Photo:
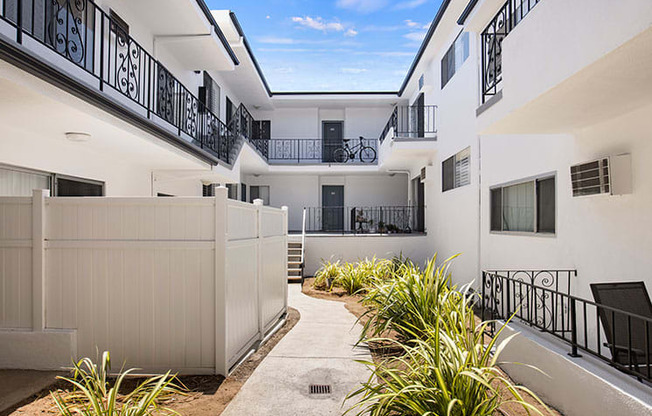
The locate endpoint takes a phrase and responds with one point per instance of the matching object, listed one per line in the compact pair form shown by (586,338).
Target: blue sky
(333,45)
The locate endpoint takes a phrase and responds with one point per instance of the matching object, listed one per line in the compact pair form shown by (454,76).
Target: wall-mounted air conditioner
(610,175)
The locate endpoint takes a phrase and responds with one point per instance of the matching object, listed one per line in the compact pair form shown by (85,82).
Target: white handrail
(303,238)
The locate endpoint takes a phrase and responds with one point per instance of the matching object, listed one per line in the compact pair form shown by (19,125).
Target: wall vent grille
(591,178)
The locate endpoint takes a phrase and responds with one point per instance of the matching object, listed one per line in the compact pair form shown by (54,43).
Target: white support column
(38,258)
(258,203)
(285,235)
(221,239)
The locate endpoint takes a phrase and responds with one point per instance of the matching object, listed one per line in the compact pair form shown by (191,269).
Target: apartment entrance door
(332,135)
(332,202)
(419,198)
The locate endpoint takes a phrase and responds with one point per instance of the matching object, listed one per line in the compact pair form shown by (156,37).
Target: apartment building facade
(519,138)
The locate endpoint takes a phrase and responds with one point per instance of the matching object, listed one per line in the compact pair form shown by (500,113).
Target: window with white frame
(528,206)
(456,170)
(259,192)
(454,57)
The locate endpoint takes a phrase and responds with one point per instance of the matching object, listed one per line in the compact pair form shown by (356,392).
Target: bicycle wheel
(340,155)
(367,155)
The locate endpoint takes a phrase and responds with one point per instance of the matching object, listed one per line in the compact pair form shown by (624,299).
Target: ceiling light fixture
(78,137)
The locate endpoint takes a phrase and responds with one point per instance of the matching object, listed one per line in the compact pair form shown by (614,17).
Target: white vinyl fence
(188,284)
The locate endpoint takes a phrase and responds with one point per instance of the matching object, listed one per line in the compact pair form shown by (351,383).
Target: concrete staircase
(295,266)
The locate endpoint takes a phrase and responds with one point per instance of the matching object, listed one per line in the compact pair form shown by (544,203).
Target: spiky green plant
(93,395)
(448,373)
(353,279)
(409,302)
(327,275)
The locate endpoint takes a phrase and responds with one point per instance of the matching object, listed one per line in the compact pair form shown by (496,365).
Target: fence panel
(16,262)
(188,284)
(134,276)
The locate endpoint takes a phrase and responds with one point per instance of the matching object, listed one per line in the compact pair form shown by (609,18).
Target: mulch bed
(207,396)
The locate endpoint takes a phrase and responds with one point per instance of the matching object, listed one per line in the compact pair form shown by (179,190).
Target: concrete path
(318,350)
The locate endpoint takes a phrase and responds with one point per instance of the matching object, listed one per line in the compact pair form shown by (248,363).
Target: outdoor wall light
(78,137)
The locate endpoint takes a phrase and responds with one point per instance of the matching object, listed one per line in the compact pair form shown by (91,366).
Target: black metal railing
(83,34)
(365,220)
(416,121)
(509,15)
(542,300)
(309,151)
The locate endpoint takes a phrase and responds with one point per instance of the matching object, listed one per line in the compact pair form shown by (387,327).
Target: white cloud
(318,23)
(353,70)
(362,6)
(416,25)
(276,41)
(415,36)
(410,4)
(268,17)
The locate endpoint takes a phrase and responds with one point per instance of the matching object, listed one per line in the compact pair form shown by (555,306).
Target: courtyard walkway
(318,350)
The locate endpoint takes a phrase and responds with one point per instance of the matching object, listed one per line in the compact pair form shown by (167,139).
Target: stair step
(294,273)
(296,251)
(294,258)
(294,245)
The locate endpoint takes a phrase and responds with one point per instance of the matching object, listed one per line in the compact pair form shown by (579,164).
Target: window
(259,192)
(208,190)
(454,57)
(243,192)
(262,129)
(232,190)
(67,186)
(524,207)
(209,95)
(21,182)
(119,22)
(229,111)
(456,170)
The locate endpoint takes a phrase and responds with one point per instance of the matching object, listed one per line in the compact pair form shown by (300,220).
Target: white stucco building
(520,138)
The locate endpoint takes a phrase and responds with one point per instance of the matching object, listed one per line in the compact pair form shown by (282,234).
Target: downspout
(479,268)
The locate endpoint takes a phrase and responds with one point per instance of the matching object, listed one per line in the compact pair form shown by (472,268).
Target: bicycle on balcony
(366,154)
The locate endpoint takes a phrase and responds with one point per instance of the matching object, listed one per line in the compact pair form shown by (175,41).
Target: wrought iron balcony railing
(492,38)
(416,121)
(542,300)
(317,151)
(365,220)
(82,33)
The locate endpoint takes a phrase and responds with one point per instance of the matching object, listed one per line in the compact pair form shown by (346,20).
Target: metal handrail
(365,219)
(302,150)
(303,240)
(415,121)
(82,33)
(549,307)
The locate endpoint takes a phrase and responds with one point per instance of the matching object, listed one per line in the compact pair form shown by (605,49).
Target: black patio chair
(626,334)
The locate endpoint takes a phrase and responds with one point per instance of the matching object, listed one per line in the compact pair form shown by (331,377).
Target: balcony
(492,38)
(411,122)
(80,42)
(317,151)
(365,220)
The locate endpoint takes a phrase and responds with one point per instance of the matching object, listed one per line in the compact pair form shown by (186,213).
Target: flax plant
(409,302)
(327,275)
(94,396)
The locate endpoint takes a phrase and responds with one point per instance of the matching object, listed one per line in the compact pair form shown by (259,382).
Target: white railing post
(38,258)
(258,203)
(221,318)
(285,239)
(303,242)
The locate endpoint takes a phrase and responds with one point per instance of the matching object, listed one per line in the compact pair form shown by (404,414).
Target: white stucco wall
(299,191)
(605,237)
(354,248)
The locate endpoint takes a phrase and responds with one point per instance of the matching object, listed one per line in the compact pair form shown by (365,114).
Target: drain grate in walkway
(320,389)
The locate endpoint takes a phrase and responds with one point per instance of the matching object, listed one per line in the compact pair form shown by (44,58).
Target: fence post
(221,312)
(258,203)
(38,258)
(573,312)
(284,208)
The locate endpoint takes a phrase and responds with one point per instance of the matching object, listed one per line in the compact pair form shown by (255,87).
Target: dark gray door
(332,202)
(421,109)
(418,216)
(332,135)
